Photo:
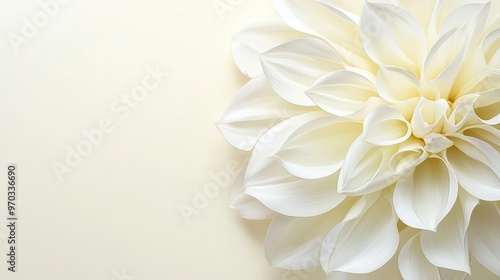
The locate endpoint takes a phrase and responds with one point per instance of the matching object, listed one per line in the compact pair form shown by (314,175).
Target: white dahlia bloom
(375,136)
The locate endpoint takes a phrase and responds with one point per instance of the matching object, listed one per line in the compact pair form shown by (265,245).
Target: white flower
(374,130)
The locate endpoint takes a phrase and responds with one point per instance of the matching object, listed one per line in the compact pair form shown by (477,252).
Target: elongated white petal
(344,93)
(400,87)
(485,133)
(490,49)
(342,34)
(448,246)
(390,268)
(295,243)
(462,114)
(293,67)
(247,206)
(413,264)
(292,196)
(258,38)
(385,126)
(318,148)
(366,169)
(461,28)
(468,204)
(471,15)
(363,244)
(423,198)
(421,10)
(442,74)
(484,236)
(384,33)
(254,109)
(487,107)
(477,165)
(271,141)
(348,10)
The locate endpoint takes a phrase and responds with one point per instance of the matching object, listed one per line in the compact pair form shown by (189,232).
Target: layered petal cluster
(374,131)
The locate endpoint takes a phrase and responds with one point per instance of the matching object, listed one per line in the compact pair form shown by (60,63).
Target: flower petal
(247,206)
(286,194)
(272,140)
(400,87)
(490,48)
(254,109)
(413,264)
(487,107)
(477,165)
(344,93)
(410,154)
(485,133)
(484,236)
(318,148)
(295,243)
(447,247)
(258,38)
(384,33)
(424,196)
(384,126)
(390,268)
(363,244)
(366,169)
(293,67)
(311,17)
(445,58)
(429,116)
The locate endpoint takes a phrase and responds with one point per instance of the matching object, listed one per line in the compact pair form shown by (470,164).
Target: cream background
(117,213)
(119,208)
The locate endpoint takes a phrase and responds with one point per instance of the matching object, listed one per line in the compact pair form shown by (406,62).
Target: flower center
(435,142)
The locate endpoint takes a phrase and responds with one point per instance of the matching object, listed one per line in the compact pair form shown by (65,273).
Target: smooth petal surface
(318,148)
(366,169)
(390,268)
(388,120)
(413,264)
(295,243)
(291,68)
(400,87)
(444,60)
(384,33)
(485,133)
(344,93)
(424,196)
(487,107)
(271,141)
(254,109)
(363,244)
(293,196)
(247,206)
(477,165)
(256,39)
(490,48)
(484,236)
(448,246)
(309,16)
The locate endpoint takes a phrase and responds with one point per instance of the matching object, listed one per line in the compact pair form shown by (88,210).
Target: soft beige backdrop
(64,69)
(110,208)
